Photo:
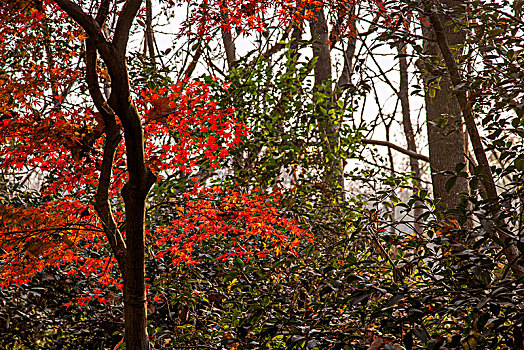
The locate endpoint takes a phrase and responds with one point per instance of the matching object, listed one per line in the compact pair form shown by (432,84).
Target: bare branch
(191,67)
(396,148)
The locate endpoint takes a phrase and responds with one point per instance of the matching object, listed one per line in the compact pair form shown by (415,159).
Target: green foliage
(33,316)
(289,120)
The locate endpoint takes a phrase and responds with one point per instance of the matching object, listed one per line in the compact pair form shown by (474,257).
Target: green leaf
(519,164)
(450,183)
(459,167)
(239,263)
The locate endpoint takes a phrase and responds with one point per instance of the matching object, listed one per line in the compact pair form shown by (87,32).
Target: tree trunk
(406,114)
(140,178)
(408,127)
(446,142)
(229,43)
(321,50)
(344,79)
(509,248)
(134,193)
(135,299)
(333,176)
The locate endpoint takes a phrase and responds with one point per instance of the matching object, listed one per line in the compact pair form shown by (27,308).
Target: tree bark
(113,138)
(509,248)
(196,56)
(229,44)
(140,178)
(464,104)
(406,113)
(446,143)
(349,52)
(333,176)
(321,49)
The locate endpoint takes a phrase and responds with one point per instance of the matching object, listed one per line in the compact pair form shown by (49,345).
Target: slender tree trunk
(321,50)
(344,79)
(446,140)
(229,46)
(349,55)
(349,52)
(296,35)
(406,114)
(391,210)
(408,127)
(140,178)
(196,56)
(323,77)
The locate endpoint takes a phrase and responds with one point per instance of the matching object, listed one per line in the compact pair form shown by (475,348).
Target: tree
(445,136)
(488,183)
(166,130)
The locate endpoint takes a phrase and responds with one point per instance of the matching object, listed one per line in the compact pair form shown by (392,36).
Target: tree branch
(296,34)
(396,148)
(279,45)
(191,67)
(123,25)
(103,12)
(102,205)
(88,23)
(113,138)
(149,40)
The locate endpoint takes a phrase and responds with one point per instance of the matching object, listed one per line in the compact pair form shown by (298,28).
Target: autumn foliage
(51,133)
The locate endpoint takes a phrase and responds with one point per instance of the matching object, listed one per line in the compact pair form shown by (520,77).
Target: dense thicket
(315,228)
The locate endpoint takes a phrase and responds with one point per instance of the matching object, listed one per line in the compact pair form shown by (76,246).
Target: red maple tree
(98,157)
